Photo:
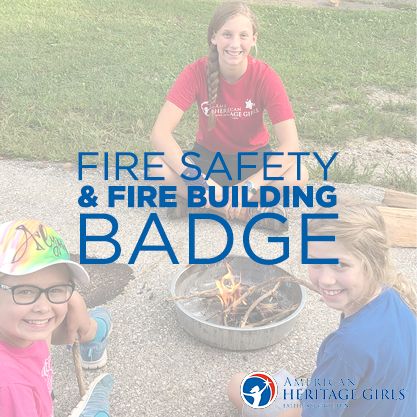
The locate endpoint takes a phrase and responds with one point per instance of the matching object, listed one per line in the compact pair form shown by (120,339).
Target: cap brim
(79,274)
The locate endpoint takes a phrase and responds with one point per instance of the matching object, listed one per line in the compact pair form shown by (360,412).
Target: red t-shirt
(239,107)
(25,381)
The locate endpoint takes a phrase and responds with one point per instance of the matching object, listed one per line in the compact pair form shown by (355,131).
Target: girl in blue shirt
(367,367)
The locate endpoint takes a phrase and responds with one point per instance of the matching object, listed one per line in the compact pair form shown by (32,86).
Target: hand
(218,191)
(76,325)
(239,212)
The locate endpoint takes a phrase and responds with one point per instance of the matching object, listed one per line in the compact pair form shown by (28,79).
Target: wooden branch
(82,387)
(213,292)
(274,317)
(256,302)
(302,282)
(276,282)
(240,299)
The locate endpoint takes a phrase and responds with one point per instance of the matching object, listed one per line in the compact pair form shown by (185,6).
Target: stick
(285,278)
(256,302)
(76,355)
(235,303)
(254,288)
(240,299)
(213,292)
(288,278)
(274,317)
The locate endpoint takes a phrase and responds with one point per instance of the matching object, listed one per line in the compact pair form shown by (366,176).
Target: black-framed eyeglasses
(29,294)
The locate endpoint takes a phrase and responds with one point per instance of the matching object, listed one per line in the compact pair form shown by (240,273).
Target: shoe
(271,224)
(178,212)
(182,209)
(95,402)
(94,354)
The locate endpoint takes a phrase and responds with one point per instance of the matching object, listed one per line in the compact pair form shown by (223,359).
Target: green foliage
(402,180)
(92,75)
(351,173)
(355,173)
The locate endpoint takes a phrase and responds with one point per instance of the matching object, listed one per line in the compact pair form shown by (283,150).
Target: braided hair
(221,15)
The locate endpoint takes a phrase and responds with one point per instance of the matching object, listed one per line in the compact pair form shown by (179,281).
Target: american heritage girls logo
(248,109)
(258,390)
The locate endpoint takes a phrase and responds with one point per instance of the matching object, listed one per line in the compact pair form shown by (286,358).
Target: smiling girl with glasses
(38,305)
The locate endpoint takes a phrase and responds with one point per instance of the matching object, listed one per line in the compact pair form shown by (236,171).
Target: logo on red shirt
(233,112)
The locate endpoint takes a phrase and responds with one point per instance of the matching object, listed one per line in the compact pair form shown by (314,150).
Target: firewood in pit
(241,305)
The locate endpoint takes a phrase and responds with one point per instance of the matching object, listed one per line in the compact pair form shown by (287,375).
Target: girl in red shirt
(231,89)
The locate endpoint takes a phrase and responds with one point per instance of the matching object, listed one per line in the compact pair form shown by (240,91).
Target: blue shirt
(367,368)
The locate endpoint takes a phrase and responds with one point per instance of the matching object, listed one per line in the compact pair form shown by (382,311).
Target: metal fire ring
(233,338)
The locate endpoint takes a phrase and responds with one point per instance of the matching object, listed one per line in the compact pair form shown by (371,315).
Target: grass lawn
(92,75)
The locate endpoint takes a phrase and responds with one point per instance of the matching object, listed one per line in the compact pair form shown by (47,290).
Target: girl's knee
(158,168)
(304,177)
(156,165)
(291,177)
(233,389)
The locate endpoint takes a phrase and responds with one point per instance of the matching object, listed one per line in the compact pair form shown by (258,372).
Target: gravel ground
(160,370)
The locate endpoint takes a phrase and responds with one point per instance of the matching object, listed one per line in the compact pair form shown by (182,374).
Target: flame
(229,288)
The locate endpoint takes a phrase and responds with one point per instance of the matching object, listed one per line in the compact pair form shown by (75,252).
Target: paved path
(160,370)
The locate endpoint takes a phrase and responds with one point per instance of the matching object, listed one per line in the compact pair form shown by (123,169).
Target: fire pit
(237,304)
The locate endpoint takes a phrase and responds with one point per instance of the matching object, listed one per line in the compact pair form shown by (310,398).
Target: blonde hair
(361,229)
(221,15)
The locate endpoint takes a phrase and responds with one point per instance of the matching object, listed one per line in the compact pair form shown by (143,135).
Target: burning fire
(229,288)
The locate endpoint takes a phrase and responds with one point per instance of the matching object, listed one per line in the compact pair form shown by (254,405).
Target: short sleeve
(329,391)
(17,400)
(276,100)
(183,91)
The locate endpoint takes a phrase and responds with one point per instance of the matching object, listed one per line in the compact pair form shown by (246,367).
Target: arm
(286,133)
(183,93)
(162,135)
(163,140)
(77,323)
(280,113)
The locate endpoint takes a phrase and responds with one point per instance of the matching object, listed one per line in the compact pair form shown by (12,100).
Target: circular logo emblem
(258,390)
